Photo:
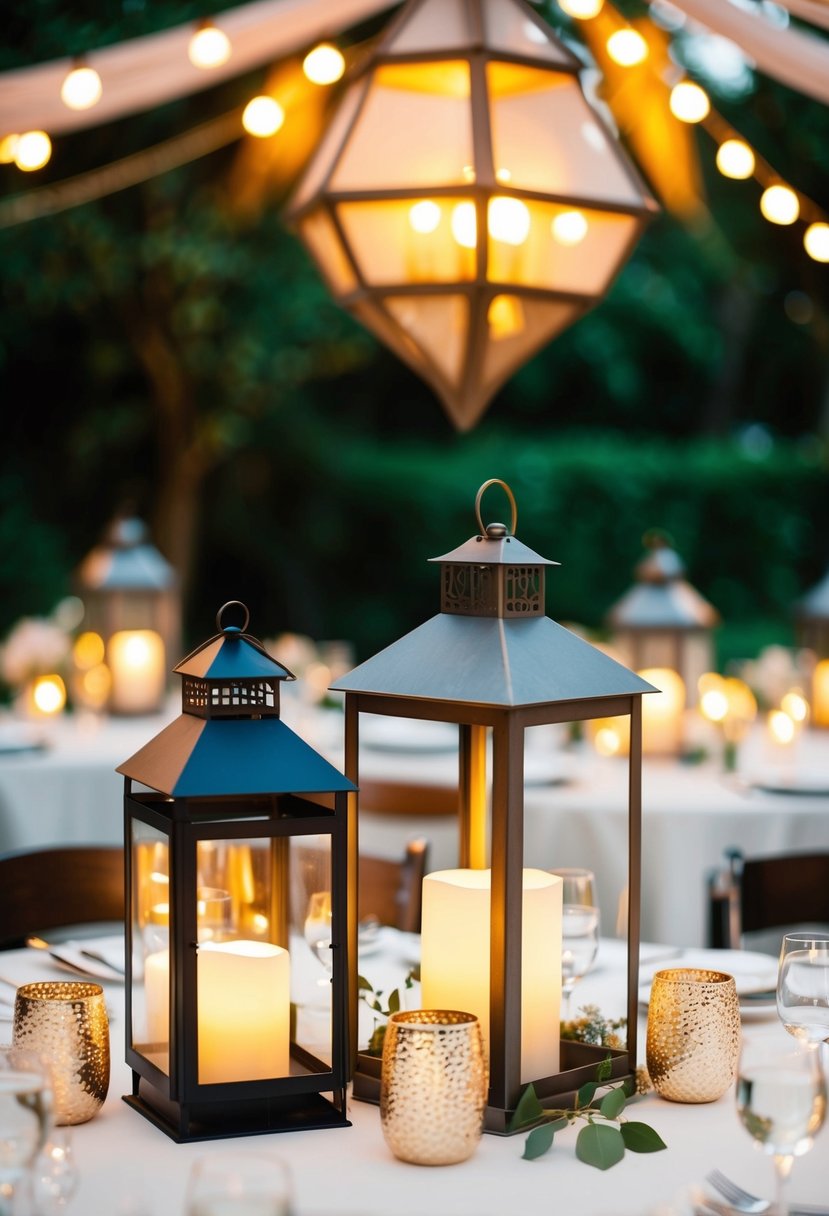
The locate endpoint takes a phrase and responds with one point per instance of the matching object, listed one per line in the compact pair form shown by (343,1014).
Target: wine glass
(781,1101)
(54,1176)
(318,928)
(579,929)
(25,1117)
(803,986)
(244,1184)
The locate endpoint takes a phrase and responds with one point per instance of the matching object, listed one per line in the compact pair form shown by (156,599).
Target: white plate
(408,735)
(752,971)
(70,955)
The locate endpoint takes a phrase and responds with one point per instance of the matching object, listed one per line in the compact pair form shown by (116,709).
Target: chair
(753,895)
(392,890)
(44,889)
(407,797)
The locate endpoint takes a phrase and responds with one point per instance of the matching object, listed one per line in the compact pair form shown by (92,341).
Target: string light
(325,64)
(689,102)
(209,47)
(735,159)
(7,146)
(263,116)
(81,88)
(32,150)
(627,47)
(816,241)
(582,10)
(779,204)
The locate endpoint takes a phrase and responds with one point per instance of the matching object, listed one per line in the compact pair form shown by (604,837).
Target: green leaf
(587,1093)
(613,1104)
(600,1145)
(529,1110)
(363,985)
(394,1001)
(539,1141)
(605,1069)
(640,1138)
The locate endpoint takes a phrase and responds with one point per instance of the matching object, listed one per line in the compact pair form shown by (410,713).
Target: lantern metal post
(232,813)
(493,663)
(467,203)
(812,628)
(663,621)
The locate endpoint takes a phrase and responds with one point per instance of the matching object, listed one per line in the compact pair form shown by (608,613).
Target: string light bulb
(816,242)
(262,117)
(209,47)
(689,102)
(32,150)
(7,146)
(627,47)
(325,64)
(779,205)
(735,159)
(582,10)
(81,88)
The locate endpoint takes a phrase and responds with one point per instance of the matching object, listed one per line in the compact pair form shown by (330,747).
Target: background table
(575,806)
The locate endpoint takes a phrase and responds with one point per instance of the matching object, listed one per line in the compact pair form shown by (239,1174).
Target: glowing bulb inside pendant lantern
(508,220)
(465,225)
(424,216)
(569,228)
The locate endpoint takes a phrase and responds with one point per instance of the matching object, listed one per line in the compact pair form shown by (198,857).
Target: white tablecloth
(575,808)
(129,1168)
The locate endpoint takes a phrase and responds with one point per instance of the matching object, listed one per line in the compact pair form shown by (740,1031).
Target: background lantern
(493,661)
(664,622)
(234,1027)
(467,203)
(131,602)
(813,633)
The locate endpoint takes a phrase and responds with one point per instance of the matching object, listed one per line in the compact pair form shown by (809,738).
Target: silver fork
(744,1201)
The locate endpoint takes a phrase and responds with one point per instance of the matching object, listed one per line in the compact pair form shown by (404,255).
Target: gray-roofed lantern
(131,600)
(235,823)
(492,661)
(664,622)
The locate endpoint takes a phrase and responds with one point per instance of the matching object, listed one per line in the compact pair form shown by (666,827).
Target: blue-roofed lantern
(493,662)
(131,599)
(234,828)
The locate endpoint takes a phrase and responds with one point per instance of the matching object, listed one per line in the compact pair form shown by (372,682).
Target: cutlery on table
(37,943)
(743,1201)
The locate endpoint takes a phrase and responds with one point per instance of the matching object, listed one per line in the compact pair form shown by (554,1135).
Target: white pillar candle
(820,694)
(137,665)
(662,712)
(157,997)
(243,1011)
(455,957)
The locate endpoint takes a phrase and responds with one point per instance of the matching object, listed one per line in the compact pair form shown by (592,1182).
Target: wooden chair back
(754,894)
(393,890)
(43,889)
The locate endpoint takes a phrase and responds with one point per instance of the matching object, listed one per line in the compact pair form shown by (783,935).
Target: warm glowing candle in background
(796,706)
(820,693)
(781,728)
(243,1011)
(137,664)
(454,970)
(48,695)
(662,712)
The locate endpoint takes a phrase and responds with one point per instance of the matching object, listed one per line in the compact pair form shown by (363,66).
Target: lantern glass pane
(561,248)
(438,324)
(440,24)
(510,30)
(697,658)
(546,137)
(659,649)
(517,327)
(417,240)
(323,240)
(415,130)
(150,914)
(329,146)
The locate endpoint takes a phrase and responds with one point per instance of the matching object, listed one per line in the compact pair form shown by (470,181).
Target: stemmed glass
(25,1118)
(803,986)
(246,1184)
(579,929)
(54,1176)
(318,928)
(781,1101)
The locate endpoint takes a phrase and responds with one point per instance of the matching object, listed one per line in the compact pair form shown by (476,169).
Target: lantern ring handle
(233,604)
(496,481)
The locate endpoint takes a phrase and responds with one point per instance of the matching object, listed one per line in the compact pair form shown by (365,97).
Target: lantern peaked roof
(197,758)
(815,603)
(126,560)
(495,550)
(661,598)
(232,655)
(493,661)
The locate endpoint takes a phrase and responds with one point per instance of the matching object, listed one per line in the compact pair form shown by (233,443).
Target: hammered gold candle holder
(434,1086)
(66,1022)
(693,1038)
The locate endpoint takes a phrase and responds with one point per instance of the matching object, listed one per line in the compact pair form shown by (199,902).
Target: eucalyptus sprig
(602,1142)
(373,998)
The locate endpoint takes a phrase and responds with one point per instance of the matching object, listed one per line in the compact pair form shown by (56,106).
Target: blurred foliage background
(171,346)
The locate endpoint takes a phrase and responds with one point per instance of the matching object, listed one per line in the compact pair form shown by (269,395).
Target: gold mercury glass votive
(434,1086)
(66,1022)
(693,1040)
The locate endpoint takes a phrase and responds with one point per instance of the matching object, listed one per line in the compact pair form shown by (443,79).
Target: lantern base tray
(223,1120)
(579,1062)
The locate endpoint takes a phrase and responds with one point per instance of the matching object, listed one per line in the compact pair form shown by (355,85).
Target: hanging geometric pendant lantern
(467,203)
